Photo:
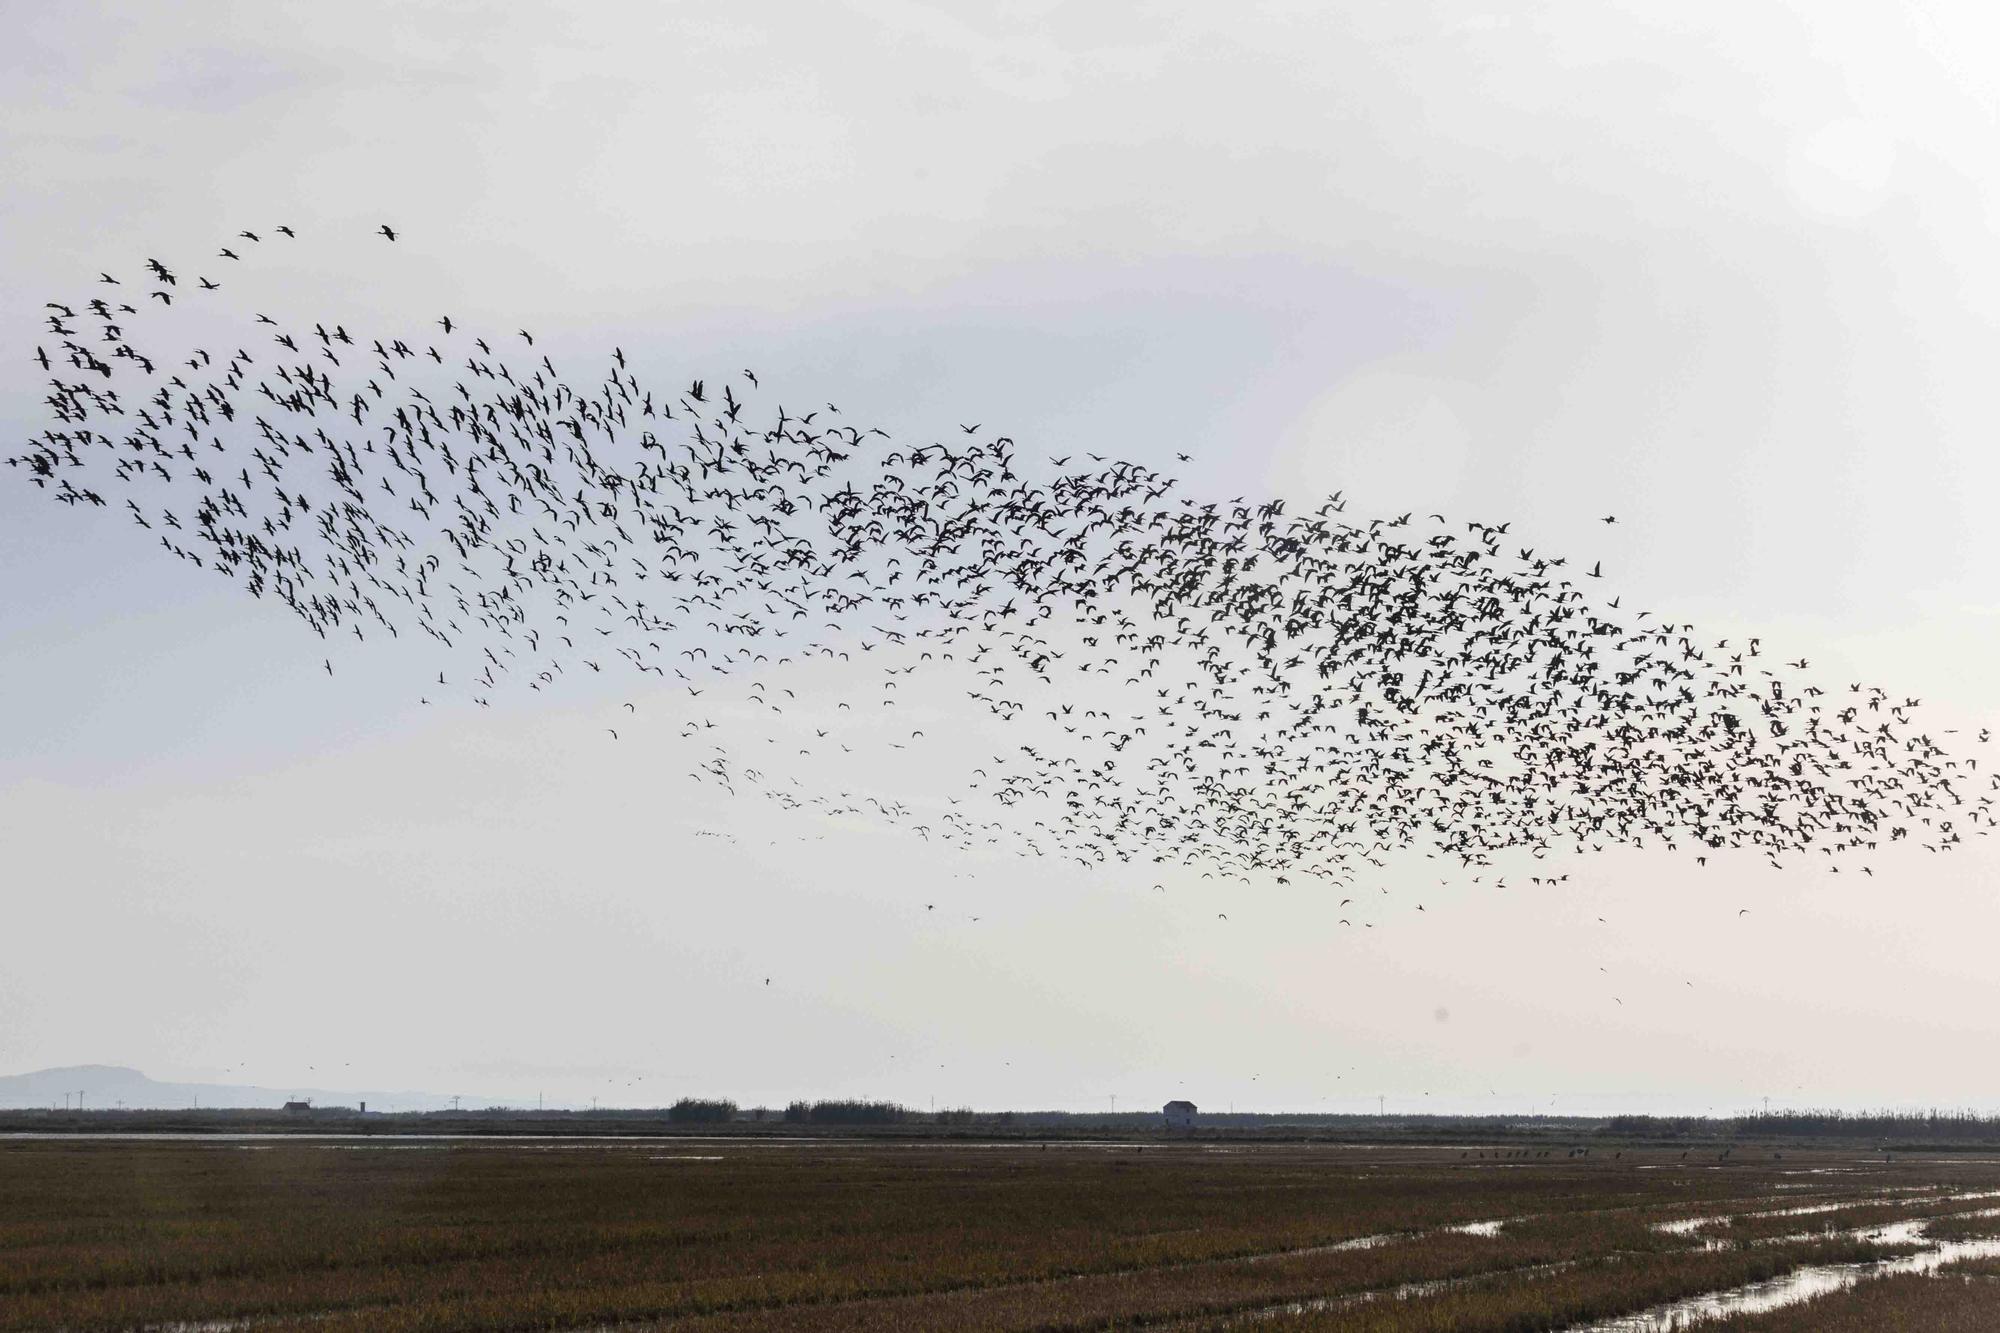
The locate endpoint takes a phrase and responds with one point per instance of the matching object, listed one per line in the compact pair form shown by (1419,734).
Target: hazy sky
(1726,271)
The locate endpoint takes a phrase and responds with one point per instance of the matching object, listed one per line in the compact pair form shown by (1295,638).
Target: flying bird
(1223,684)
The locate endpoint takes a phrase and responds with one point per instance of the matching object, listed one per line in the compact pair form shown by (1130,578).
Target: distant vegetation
(845,1113)
(1902,1126)
(1901,1129)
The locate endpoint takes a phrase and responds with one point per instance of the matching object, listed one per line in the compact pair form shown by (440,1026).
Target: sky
(1723,271)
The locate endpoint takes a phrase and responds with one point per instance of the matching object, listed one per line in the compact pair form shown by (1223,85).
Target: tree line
(1960,1126)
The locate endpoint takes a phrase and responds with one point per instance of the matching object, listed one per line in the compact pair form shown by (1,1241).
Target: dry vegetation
(1779,1223)
(761,1235)
(1981,1225)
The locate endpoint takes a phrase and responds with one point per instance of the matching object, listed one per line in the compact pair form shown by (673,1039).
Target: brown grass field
(763,1234)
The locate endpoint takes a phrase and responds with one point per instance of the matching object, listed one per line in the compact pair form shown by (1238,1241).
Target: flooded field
(214,1235)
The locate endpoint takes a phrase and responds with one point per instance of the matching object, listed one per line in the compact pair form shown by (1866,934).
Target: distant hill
(105,1087)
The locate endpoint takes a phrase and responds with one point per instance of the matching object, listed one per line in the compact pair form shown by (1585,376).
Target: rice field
(741,1234)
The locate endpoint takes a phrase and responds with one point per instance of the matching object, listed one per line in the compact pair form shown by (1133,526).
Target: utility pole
(1767,1104)
(1381,1105)
(1114,1103)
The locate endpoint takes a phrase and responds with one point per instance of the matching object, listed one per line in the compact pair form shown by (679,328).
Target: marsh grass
(1854,1218)
(1964,1227)
(839,1235)
(1597,1288)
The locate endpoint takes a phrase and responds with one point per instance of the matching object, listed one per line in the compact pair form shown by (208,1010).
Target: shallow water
(1489,1227)
(1800,1285)
(1408,1291)
(1687,1226)
(1805,1283)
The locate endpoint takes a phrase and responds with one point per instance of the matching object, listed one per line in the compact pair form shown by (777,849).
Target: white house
(1180,1115)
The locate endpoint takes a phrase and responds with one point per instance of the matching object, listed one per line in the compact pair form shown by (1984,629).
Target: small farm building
(1180,1115)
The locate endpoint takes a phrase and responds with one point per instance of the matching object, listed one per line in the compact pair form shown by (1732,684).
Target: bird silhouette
(1215,684)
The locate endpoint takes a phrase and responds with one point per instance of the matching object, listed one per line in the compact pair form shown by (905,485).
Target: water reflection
(1804,1284)
(1800,1285)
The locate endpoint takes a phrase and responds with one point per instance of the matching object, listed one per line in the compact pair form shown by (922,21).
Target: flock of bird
(1190,681)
